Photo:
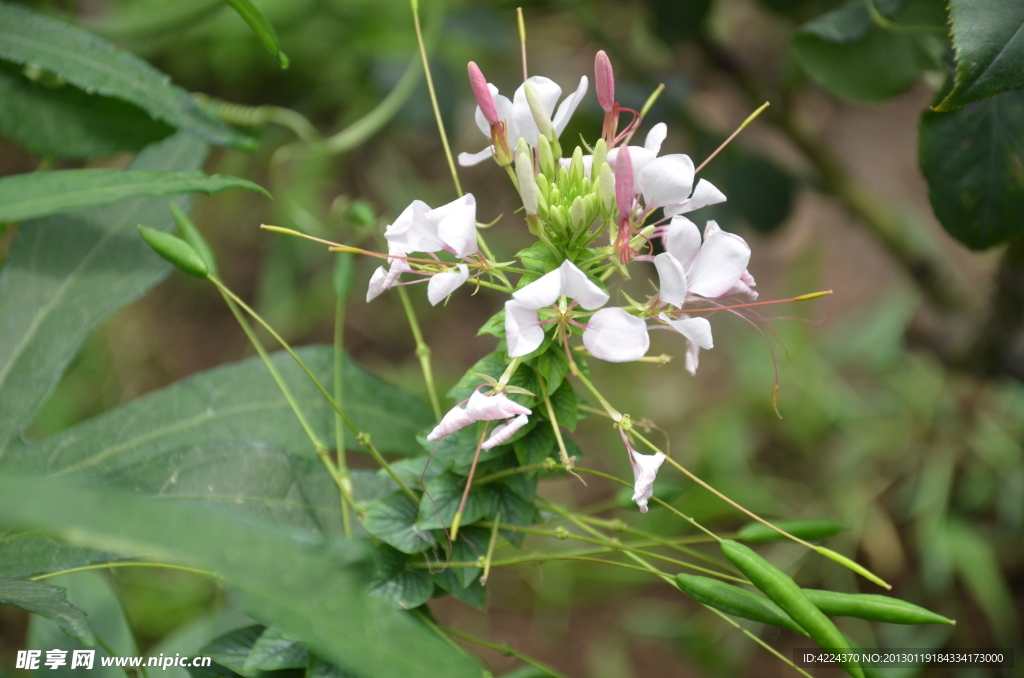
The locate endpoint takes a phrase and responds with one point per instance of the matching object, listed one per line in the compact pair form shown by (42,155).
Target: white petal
(497,406)
(398,264)
(523,331)
(456,225)
(697,330)
(542,292)
(443,284)
(682,239)
(655,137)
(503,432)
(376,284)
(455,419)
(413,231)
(672,279)
(576,285)
(522,116)
(705,194)
(711,228)
(568,107)
(614,335)
(721,261)
(692,357)
(504,108)
(742,289)
(638,155)
(645,470)
(666,180)
(470,159)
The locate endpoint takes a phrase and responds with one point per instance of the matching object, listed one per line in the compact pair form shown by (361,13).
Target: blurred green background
(924,464)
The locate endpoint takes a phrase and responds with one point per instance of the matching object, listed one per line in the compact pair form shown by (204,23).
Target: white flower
(711,270)
(645,470)
(615,336)
(443,284)
(698,335)
(518,118)
(482,408)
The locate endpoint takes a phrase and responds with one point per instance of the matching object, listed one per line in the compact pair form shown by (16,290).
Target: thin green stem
(549,466)
(119,563)
(732,622)
(422,351)
(506,649)
(442,633)
(563,454)
(339,425)
(619,526)
(490,549)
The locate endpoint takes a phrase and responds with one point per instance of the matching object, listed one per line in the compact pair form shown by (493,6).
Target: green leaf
(65,122)
(536,446)
(471,545)
(41,194)
(853,57)
(456,450)
(493,365)
(474,595)
(973,160)
(553,366)
(234,402)
(311,591)
(232,649)
(392,519)
(96,66)
(50,602)
(273,651)
(261,26)
(66,273)
(395,581)
(563,402)
(24,553)
(988,36)
(444,493)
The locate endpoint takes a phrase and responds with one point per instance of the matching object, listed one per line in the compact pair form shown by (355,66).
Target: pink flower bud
(482,93)
(604,80)
(624,191)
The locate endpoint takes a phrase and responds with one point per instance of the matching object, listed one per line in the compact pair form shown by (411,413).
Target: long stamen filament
(802,297)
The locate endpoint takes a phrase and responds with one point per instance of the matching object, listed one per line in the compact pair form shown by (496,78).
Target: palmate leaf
(988,36)
(313,592)
(65,122)
(97,66)
(66,273)
(50,602)
(41,194)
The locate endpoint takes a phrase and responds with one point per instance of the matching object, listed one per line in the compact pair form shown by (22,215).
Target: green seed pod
(191,235)
(546,157)
(853,565)
(785,593)
(175,250)
(735,601)
(600,155)
(576,167)
(812,529)
(344,271)
(873,608)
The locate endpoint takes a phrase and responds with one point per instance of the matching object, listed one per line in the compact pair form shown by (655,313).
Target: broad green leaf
(65,122)
(444,493)
(469,547)
(273,651)
(563,402)
(972,159)
(312,591)
(395,580)
(96,66)
(92,593)
(850,55)
(27,552)
(41,194)
(318,668)
(66,273)
(50,602)
(238,402)
(537,445)
(553,366)
(988,36)
(261,26)
(456,450)
(232,649)
(449,581)
(392,519)
(492,365)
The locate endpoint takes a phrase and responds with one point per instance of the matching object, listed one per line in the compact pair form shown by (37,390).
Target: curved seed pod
(811,529)
(873,608)
(735,601)
(785,593)
(178,252)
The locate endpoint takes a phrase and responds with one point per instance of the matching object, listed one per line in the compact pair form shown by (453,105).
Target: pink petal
(542,292)
(455,224)
(656,137)
(645,470)
(443,284)
(576,285)
(568,107)
(523,331)
(614,335)
(503,432)
(672,279)
(682,240)
(455,419)
(482,93)
(666,180)
(721,261)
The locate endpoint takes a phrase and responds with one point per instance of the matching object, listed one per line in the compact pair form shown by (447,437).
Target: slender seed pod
(853,565)
(873,608)
(735,601)
(811,529)
(176,251)
(191,235)
(785,593)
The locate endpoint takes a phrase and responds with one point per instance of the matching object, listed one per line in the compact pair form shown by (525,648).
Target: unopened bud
(546,157)
(599,158)
(556,214)
(176,251)
(527,181)
(624,183)
(604,81)
(544,185)
(482,94)
(606,187)
(576,166)
(555,196)
(577,213)
(541,116)
(191,235)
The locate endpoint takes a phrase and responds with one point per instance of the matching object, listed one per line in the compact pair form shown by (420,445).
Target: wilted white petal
(455,419)
(523,331)
(645,470)
(719,265)
(656,137)
(542,292)
(672,279)
(498,406)
(503,432)
(568,107)
(666,180)
(470,159)
(455,224)
(376,284)
(614,335)
(697,330)
(576,285)
(412,231)
(682,239)
(443,284)
(522,116)
(692,357)
(705,194)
